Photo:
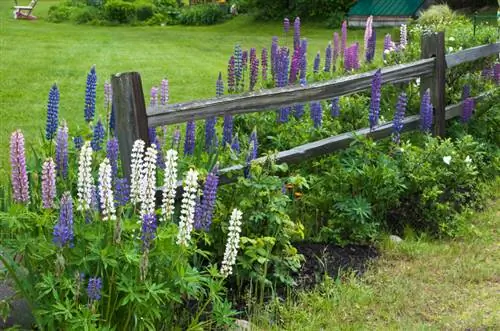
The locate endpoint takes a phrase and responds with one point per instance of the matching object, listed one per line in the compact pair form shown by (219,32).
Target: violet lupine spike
(343,42)
(465,92)
(335,107)
(152,134)
(231,75)
(426,112)
(94,289)
(78,142)
(19,176)
(399,116)
(112,155)
(244,59)
(347,60)
(253,55)
(298,110)
(48,183)
(148,231)
(197,212)
(254,73)
(98,136)
(317,60)
(496,73)
(176,139)
(375,99)
(296,33)
(164,92)
(372,43)
(336,47)
(189,142)
(52,112)
(219,86)
(316,114)
(210,133)
(355,56)
(274,57)
(108,95)
(153,101)
(368,31)
(62,151)
(295,67)
(235,146)
(264,64)
(303,59)
(286,25)
(283,81)
(90,95)
(467,109)
(328,58)
(238,65)
(227,131)
(63,230)
(207,204)
(112,120)
(122,192)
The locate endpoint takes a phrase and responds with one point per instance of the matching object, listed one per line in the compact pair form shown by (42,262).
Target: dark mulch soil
(321,259)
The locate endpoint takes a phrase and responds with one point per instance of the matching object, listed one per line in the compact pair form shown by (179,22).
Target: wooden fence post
(432,45)
(130,114)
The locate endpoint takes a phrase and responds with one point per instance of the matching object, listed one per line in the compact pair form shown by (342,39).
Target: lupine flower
(298,109)
(263,61)
(153,101)
(467,109)
(219,86)
(336,47)
(136,170)
(63,230)
(254,73)
(286,25)
(244,59)
(368,31)
(375,99)
(164,93)
(152,134)
(106,192)
(148,181)
(85,180)
(227,134)
(328,58)
(252,152)
(253,54)
(282,73)
(317,60)
(388,45)
(465,92)
(354,55)
(52,112)
(160,163)
(112,155)
(372,43)
(274,57)
(112,120)
(98,136)
(496,73)
(188,208)
(233,242)
(210,133)
(316,113)
(176,138)
(403,36)
(169,185)
(108,95)
(303,59)
(90,95)
(487,73)
(347,59)
(203,218)
(238,65)
(94,289)
(231,75)
(335,107)
(148,230)
(399,116)
(122,192)
(426,112)
(78,141)
(48,183)
(62,151)
(343,42)
(19,176)
(296,33)
(295,67)
(94,201)
(189,142)
(235,146)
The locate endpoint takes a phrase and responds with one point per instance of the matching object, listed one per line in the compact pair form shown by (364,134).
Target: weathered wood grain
(440,86)
(472,54)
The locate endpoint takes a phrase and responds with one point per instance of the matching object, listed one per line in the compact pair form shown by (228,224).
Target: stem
(128,319)
(109,293)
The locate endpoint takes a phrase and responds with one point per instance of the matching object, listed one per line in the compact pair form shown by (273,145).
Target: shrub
(437,15)
(305,9)
(85,14)
(144,11)
(201,15)
(119,11)
(59,14)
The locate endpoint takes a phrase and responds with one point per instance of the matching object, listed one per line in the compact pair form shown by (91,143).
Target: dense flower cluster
(233,243)
(108,95)
(235,145)
(63,230)
(467,109)
(112,155)
(153,100)
(317,60)
(335,107)
(98,136)
(78,142)
(164,92)
(188,208)
(48,183)
(106,192)
(189,142)
(136,170)
(90,95)
(176,139)
(169,185)
(328,58)
(62,151)
(336,46)
(204,214)
(94,289)
(264,64)
(122,192)
(254,72)
(52,112)
(343,42)
(85,180)
(148,230)
(403,36)
(231,75)
(399,117)
(351,60)
(274,56)
(148,181)
(375,99)
(238,66)
(368,31)
(316,113)
(426,112)
(372,43)
(286,25)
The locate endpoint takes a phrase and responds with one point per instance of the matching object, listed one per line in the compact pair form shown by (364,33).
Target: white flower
(403,36)
(417,81)
(188,207)
(451,39)
(447,159)
(106,192)
(85,180)
(450,49)
(233,243)
(169,185)
(387,51)
(468,160)
(148,181)
(136,171)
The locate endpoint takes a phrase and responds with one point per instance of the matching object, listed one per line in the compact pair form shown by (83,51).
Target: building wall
(378,21)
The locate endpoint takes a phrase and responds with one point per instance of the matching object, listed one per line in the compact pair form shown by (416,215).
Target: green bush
(305,9)
(85,15)
(144,11)
(119,11)
(59,14)
(437,15)
(201,15)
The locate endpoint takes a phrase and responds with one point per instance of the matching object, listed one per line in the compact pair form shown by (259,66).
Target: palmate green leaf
(63,309)
(46,286)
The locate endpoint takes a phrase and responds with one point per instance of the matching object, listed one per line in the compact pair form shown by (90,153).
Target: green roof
(386,7)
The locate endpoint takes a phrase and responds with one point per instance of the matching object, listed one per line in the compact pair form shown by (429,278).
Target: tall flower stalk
(336,47)
(62,151)
(370,50)
(233,243)
(203,218)
(148,181)
(112,155)
(19,175)
(189,142)
(231,75)
(316,63)
(274,57)
(335,107)
(254,72)
(316,114)
(403,36)
(188,208)
(85,181)
(164,92)
(328,58)
(52,112)
(467,109)
(399,117)
(106,197)
(137,164)
(63,230)
(48,183)
(90,95)
(98,136)
(343,42)
(108,96)
(296,33)
(264,64)
(169,185)
(375,99)
(368,31)
(426,112)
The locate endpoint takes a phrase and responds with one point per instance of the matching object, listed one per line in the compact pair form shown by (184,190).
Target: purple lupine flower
(368,31)
(164,93)
(399,116)
(151,134)
(286,25)
(263,61)
(370,50)
(496,73)
(317,60)
(207,205)
(62,151)
(108,95)
(355,57)
(94,289)
(52,112)
(112,155)
(238,65)
(160,162)
(219,86)
(343,41)
(197,213)
(375,99)
(19,177)
(176,139)
(231,75)
(153,101)
(298,109)
(48,183)
(336,47)
(227,131)
(148,230)
(274,57)
(63,230)
(90,95)
(253,55)
(122,192)
(328,58)
(283,62)
(467,109)
(296,33)
(78,142)
(388,45)
(316,113)
(98,136)
(347,59)
(210,133)
(487,73)
(244,59)
(295,67)
(465,92)
(235,146)
(112,119)
(335,107)
(189,142)
(303,59)
(426,112)
(254,73)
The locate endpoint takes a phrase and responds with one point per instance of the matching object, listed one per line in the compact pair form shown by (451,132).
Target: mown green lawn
(35,54)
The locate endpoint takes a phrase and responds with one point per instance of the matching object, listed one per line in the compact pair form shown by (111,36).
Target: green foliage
(437,16)
(119,11)
(334,10)
(206,14)
(58,14)
(87,14)
(144,11)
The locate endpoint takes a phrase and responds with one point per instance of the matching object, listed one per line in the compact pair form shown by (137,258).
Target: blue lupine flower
(316,113)
(112,155)
(375,99)
(63,230)
(62,151)
(303,59)
(235,146)
(399,117)
(328,58)
(189,142)
(78,141)
(282,75)
(98,136)
(238,65)
(274,58)
(426,112)
(176,139)
(210,133)
(219,86)
(122,192)
(467,109)
(152,134)
(112,120)
(370,51)
(148,230)
(317,60)
(227,132)
(207,205)
(90,95)
(296,33)
(335,107)
(52,112)
(465,92)
(160,162)
(94,289)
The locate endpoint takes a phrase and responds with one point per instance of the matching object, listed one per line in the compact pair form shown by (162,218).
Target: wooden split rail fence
(133,119)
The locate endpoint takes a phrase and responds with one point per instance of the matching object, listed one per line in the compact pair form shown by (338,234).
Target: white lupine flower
(468,160)
(403,36)
(148,179)
(233,243)
(106,192)
(136,171)
(170,184)
(85,180)
(187,208)
(447,159)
